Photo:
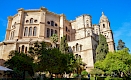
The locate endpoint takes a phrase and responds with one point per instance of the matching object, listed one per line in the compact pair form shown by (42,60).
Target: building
(38,25)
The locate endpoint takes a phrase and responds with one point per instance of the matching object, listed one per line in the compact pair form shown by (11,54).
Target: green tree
(54,39)
(21,63)
(96,71)
(63,45)
(118,62)
(35,52)
(102,48)
(121,45)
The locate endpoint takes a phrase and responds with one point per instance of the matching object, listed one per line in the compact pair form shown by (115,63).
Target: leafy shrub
(84,73)
(75,75)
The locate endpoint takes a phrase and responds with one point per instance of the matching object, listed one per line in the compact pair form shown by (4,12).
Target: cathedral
(28,26)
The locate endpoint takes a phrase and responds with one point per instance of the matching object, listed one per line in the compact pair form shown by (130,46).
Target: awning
(5,69)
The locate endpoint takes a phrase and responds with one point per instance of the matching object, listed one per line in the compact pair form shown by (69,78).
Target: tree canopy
(121,45)
(118,62)
(54,39)
(63,45)
(20,62)
(102,48)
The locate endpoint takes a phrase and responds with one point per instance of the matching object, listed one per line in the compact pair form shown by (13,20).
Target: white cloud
(124,30)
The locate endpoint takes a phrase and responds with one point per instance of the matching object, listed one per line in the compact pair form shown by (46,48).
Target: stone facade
(38,25)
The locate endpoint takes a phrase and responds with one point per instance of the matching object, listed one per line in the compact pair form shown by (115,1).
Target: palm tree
(54,40)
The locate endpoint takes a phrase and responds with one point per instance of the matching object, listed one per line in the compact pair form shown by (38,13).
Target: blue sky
(117,11)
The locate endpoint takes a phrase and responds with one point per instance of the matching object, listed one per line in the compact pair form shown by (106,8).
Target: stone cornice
(31,24)
(10,17)
(48,12)
(21,9)
(32,10)
(83,15)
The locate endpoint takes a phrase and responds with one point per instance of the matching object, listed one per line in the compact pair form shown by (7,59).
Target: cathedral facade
(28,26)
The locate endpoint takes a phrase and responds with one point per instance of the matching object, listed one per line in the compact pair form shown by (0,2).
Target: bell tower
(105,30)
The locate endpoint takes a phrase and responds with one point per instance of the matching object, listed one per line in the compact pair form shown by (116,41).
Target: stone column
(19,24)
(62,20)
(8,28)
(42,27)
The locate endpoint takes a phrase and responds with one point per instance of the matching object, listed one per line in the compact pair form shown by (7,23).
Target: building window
(76,55)
(30,31)
(87,25)
(19,50)
(31,20)
(80,47)
(22,50)
(51,32)
(52,23)
(48,22)
(25,49)
(26,31)
(79,56)
(55,24)
(48,32)
(68,38)
(55,31)
(35,21)
(74,48)
(103,25)
(27,21)
(77,47)
(12,35)
(88,34)
(14,24)
(66,29)
(34,31)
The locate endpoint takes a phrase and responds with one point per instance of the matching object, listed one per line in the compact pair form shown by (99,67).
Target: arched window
(103,25)
(68,38)
(31,20)
(26,31)
(12,35)
(22,50)
(55,24)
(48,32)
(15,24)
(87,25)
(55,31)
(74,48)
(66,29)
(35,21)
(88,34)
(34,31)
(25,49)
(52,23)
(51,32)
(80,47)
(48,22)
(76,55)
(30,31)
(19,50)
(77,47)
(27,21)
(79,56)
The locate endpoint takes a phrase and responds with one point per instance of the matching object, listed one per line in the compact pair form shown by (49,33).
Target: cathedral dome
(103,18)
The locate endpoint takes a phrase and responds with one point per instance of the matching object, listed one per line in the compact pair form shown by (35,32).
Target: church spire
(102,13)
